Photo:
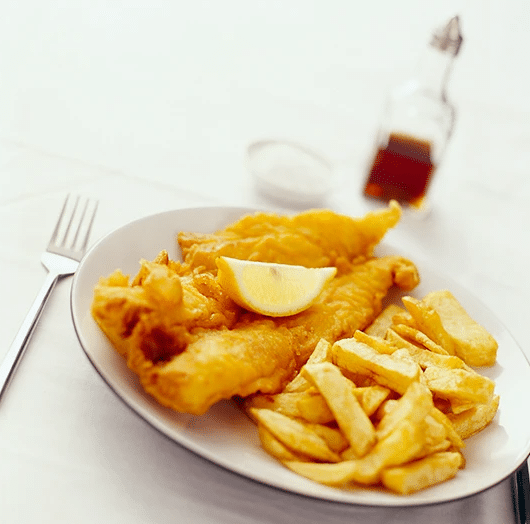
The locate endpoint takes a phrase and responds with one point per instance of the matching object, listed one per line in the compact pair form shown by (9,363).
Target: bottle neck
(434,71)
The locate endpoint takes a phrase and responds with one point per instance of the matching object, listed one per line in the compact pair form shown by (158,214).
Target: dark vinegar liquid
(401,171)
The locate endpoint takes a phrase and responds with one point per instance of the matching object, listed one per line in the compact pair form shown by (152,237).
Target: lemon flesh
(275,290)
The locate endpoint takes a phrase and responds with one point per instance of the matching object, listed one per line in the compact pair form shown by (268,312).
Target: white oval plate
(227,437)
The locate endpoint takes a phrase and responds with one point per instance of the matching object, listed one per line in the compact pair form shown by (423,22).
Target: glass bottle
(416,126)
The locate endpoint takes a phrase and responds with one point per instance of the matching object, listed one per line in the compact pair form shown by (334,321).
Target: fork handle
(18,346)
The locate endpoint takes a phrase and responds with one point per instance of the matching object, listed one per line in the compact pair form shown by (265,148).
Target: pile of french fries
(389,407)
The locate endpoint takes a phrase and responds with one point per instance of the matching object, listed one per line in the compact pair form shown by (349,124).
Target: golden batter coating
(192,346)
(315,238)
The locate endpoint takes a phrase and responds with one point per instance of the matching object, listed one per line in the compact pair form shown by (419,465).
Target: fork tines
(74,224)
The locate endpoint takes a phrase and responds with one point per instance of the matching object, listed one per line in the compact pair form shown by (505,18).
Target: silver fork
(62,256)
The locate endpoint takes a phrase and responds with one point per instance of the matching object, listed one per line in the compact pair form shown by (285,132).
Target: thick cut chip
(274,447)
(428,321)
(383,321)
(460,406)
(285,403)
(435,447)
(399,447)
(396,340)
(422,473)
(416,444)
(384,409)
(295,435)
(404,354)
(475,419)
(436,438)
(387,371)
(362,471)
(314,408)
(371,397)
(452,434)
(404,318)
(404,443)
(374,341)
(334,438)
(413,406)
(473,343)
(321,353)
(459,385)
(337,390)
(425,357)
(418,337)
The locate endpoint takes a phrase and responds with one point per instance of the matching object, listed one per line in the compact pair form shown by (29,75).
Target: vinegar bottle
(416,126)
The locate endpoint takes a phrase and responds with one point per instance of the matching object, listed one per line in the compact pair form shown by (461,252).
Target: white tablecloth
(150,106)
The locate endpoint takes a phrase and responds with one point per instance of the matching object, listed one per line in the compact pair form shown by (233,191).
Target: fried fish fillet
(192,346)
(315,238)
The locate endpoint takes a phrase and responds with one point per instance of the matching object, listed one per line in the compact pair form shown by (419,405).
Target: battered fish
(315,238)
(160,311)
(191,346)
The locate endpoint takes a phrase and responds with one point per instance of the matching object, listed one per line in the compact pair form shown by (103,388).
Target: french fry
(362,471)
(295,435)
(386,407)
(391,405)
(418,337)
(333,438)
(383,321)
(470,422)
(395,339)
(435,447)
(435,437)
(275,448)
(405,318)
(404,443)
(321,353)
(428,321)
(349,454)
(285,403)
(375,342)
(422,473)
(405,355)
(359,379)
(337,390)
(400,446)
(460,406)
(453,436)
(413,406)
(459,385)
(425,357)
(313,408)
(384,369)
(336,441)
(371,397)
(472,342)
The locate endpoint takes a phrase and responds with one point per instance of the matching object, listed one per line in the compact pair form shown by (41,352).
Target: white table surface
(149,106)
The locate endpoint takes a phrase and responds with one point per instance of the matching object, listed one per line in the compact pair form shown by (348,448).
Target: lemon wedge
(275,290)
